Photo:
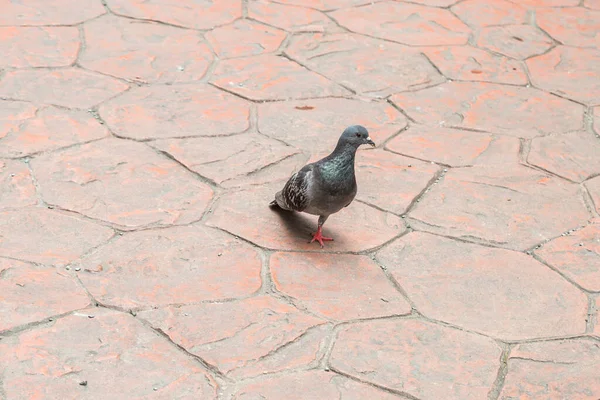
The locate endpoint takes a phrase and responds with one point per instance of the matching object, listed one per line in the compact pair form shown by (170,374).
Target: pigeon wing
(294,195)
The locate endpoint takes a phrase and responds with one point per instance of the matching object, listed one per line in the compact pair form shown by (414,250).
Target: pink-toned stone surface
(16,185)
(24,47)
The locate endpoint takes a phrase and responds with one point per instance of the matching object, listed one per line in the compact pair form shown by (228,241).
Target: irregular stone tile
(160,112)
(275,172)
(121,182)
(169,266)
(572,155)
(369,66)
(435,3)
(46,236)
(594,4)
(566,369)
(403,179)
(111,352)
(270,77)
(577,256)
(314,281)
(288,18)
(593,186)
(244,38)
(311,385)
(144,51)
(316,125)
(596,120)
(73,88)
(485,106)
(325,5)
(16,185)
(574,26)
(235,336)
(516,41)
(247,214)
(568,72)
(425,360)
(481,288)
(550,3)
(29,47)
(410,24)
(472,64)
(26,129)
(480,13)
(596,308)
(515,207)
(32,293)
(42,12)
(187,13)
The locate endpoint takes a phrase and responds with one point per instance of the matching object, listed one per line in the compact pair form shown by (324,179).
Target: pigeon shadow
(296,224)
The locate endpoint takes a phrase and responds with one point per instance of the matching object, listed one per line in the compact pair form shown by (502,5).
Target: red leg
(320,238)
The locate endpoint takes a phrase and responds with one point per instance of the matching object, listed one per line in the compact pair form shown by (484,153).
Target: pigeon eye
(357,134)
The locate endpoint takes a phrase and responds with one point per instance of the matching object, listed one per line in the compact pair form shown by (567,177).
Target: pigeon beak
(369,141)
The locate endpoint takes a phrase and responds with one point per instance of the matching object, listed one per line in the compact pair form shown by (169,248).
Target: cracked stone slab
(42,12)
(468,63)
(313,281)
(244,38)
(48,292)
(271,77)
(111,352)
(573,155)
(485,106)
(593,186)
(242,338)
(481,288)
(71,88)
(514,207)
(171,266)
(326,5)
(573,26)
(516,41)
(368,66)
(593,4)
(30,47)
(161,112)
(481,13)
(419,358)
(16,185)
(406,23)
(121,182)
(27,129)
(143,51)
(565,369)
(596,309)
(46,236)
(223,159)
(569,72)
(290,18)
(596,120)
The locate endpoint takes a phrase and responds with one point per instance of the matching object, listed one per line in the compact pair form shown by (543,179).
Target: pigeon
(325,187)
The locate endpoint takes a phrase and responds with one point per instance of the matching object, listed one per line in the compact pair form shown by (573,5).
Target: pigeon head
(356,135)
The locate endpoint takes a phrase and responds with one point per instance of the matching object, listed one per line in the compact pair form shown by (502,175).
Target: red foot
(320,238)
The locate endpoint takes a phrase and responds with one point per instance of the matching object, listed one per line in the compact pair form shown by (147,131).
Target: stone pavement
(141,141)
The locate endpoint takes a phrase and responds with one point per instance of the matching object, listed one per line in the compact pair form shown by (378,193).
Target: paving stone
(244,38)
(311,385)
(187,13)
(410,24)
(435,3)
(111,353)
(246,213)
(516,41)
(26,129)
(236,336)
(566,369)
(47,236)
(468,147)
(270,77)
(16,185)
(514,207)
(596,120)
(72,88)
(551,3)
(485,106)
(575,26)
(593,186)
(160,112)
(287,17)
(42,12)
(573,155)
(29,47)
(171,266)
(325,5)
(32,293)
(468,63)
(480,13)
(121,182)
(368,66)
(596,308)
(593,4)
(316,125)
(481,288)
(144,51)
(568,72)
(225,158)
(403,179)
(419,358)
(313,281)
